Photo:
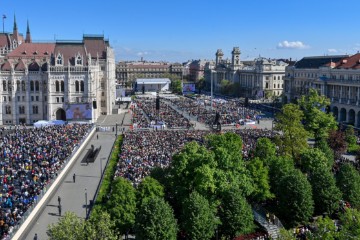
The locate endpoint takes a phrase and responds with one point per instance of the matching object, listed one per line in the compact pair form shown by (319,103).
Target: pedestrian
(35,237)
(74,177)
(97,136)
(59,200)
(59,208)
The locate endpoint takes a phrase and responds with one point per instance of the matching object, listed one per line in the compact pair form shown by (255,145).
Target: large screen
(188,88)
(79,111)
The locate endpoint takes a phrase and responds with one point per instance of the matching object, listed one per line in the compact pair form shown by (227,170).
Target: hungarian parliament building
(55,80)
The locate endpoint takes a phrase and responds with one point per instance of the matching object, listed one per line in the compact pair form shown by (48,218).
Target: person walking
(74,176)
(59,208)
(97,136)
(59,200)
(35,237)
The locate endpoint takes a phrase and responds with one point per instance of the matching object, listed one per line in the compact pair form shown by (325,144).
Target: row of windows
(60,86)
(35,109)
(275,77)
(278,85)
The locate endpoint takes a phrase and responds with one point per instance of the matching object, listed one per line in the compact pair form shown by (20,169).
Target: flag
(4,16)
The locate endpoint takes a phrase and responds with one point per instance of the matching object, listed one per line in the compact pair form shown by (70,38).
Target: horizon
(172,32)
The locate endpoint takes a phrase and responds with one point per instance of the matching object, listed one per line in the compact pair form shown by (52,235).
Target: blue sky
(173,30)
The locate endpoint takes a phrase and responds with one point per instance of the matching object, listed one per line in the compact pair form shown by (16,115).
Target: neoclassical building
(40,81)
(128,72)
(336,77)
(256,79)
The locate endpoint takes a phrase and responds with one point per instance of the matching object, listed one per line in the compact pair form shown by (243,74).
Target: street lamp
(116,129)
(86,204)
(101,171)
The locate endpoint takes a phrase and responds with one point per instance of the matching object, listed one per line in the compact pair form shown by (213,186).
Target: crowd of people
(145,114)
(29,159)
(142,151)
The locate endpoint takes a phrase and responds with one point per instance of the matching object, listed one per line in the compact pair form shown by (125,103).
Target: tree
(279,167)
(348,181)
(260,178)
(235,215)
(286,234)
(294,138)
(100,227)
(231,171)
(350,224)
(70,226)
(296,204)
(225,87)
(200,84)
(351,139)
(312,159)
(122,204)
(198,219)
(337,142)
(323,146)
(265,149)
(147,189)
(325,193)
(324,229)
(317,121)
(155,220)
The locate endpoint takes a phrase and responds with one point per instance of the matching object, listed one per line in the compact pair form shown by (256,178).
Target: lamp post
(101,171)
(116,129)
(86,204)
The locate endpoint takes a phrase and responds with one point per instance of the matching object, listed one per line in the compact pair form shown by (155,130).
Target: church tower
(15,31)
(235,60)
(28,35)
(219,55)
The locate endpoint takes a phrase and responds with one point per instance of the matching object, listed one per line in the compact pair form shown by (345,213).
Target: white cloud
(292,45)
(142,53)
(332,50)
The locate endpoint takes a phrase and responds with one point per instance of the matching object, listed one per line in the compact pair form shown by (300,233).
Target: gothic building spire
(15,25)
(28,35)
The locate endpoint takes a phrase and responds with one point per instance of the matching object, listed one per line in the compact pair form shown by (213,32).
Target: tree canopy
(348,181)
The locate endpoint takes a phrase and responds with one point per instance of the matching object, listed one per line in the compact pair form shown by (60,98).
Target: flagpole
(3,18)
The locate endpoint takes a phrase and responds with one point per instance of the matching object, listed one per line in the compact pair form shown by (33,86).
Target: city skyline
(177,32)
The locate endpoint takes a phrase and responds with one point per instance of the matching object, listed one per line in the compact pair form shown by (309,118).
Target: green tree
(231,171)
(198,219)
(326,194)
(348,181)
(122,204)
(312,159)
(176,86)
(70,226)
(351,139)
(235,215)
(286,234)
(350,224)
(296,204)
(279,167)
(323,146)
(260,178)
(265,149)
(325,229)
(294,139)
(149,188)
(225,86)
(317,121)
(155,221)
(100,227)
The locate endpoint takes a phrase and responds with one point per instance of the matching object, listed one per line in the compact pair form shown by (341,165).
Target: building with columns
(336,77)
(40,81)
(256,79)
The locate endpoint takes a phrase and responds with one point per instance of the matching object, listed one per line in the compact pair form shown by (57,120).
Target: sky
(177,31)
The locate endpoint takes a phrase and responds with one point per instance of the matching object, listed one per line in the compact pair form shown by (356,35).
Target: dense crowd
(145,114)
(29,159)
(142,151)
(231,112)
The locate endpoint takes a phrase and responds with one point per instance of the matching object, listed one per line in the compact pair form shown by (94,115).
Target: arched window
(23,87)
(32,86)
(274,77)
(37,86)
(8,109)
(278,85)
(9,86)
(62,86)
(57,86)
(82,86)
(78,60)
(274,85)
(17,85)
(21,109)
(59,60)
(278,77)
(4,86)
(77,86)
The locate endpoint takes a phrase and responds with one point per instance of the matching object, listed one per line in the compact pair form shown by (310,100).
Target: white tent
(41,123)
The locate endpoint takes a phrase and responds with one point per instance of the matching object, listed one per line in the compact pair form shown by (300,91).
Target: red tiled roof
(27,50)
(148,66)
(352,62)
(69,52)
(4,40)
(20,66)
(95,46)
(6,66)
